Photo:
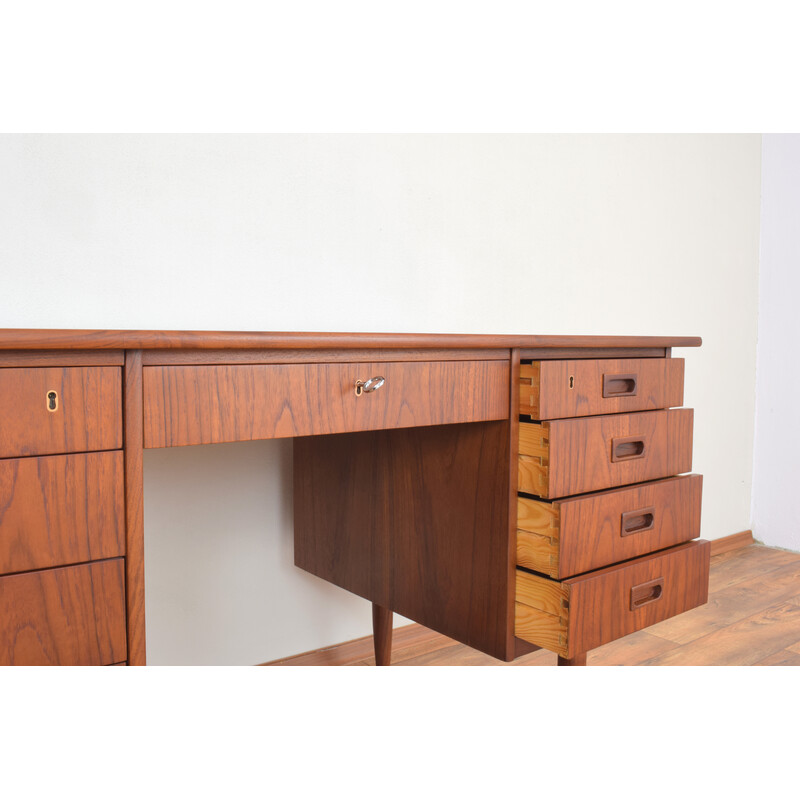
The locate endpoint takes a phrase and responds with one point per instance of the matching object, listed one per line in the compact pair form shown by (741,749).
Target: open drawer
(576,615)
(566,537)
(573,456)
(585,387)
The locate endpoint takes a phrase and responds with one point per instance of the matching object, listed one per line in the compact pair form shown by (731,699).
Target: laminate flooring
(752,617)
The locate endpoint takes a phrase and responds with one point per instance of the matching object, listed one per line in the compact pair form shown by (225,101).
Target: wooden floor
(752,617)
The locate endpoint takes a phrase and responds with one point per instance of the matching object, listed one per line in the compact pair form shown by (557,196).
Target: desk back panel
(415,520)
(187,405)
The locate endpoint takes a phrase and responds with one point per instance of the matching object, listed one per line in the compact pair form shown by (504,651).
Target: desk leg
(382,635)
(578,661)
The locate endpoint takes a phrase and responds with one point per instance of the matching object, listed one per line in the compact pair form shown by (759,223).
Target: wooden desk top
(65,339)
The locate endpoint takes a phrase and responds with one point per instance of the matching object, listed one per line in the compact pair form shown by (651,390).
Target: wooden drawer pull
(627,448)
(646,593)
(620,385)
(639,521)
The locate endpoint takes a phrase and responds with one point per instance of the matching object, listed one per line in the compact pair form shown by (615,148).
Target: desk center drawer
(186,405)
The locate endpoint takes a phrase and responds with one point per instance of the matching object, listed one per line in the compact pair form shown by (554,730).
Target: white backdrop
(434,233)
(776,513)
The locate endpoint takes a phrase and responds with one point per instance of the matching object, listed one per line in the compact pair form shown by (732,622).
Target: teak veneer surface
(573,456)
(578,534)
(58,510)
(415,520)
(186,405)
(71,615)
(134,508)
(574,616)
(49,339)
(88,415)
(569,388)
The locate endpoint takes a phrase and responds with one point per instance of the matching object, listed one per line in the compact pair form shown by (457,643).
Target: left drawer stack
(62,516)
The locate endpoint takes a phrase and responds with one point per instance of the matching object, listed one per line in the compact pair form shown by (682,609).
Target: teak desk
(511,492)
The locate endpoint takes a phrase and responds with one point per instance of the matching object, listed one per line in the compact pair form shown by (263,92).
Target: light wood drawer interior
(578,614)
(573,456)
(72,615)
(580,388)
(186,405)
(567,537)
(50,410)
(58,510)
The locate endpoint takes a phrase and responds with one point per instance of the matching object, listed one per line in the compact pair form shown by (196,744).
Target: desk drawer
(560,389)
(579,614)
(572,456)
(186,405)
(579,534)
(72,615)
(61,510)
(49,410)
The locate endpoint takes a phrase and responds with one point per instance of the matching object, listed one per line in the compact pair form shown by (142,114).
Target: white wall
(776,512)
(495,234)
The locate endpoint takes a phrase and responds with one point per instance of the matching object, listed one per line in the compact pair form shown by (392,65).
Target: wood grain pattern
(415,520)
(88,416)
(560,389)
(405,639)
(575,454)
(733,542)
(746,641)
(49,339)
(382,635)
(560,353)
(578,660)
(312,356)
(61,358)
(208,404)
(418,646)
(59,510)
(737,601)
(514,647)
(67,616)
(134,509)
(579,534)
(599,606)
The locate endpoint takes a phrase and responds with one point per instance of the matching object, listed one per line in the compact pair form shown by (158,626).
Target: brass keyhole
(52,400)
(571,381)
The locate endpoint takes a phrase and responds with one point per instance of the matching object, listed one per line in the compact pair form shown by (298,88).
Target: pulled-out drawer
(576,615)
(186,405)
(49,410)
(61,510)
(67,616)
(572,456)
(560,389)
(578,534)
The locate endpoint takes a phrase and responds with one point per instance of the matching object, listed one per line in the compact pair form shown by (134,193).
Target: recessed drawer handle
(370,385)
(628,448)
(620,385)
(646,593)
(639,521)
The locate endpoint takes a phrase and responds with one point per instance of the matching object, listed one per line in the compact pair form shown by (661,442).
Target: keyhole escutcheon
(52,400)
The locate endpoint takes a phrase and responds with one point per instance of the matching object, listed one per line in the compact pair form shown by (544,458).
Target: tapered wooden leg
(578,661)
(382,635)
